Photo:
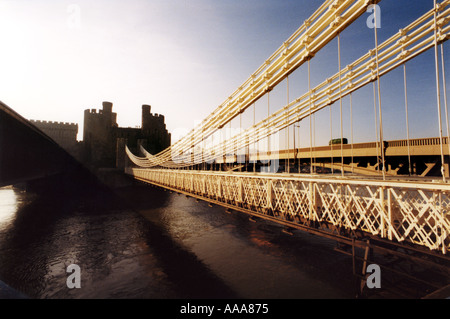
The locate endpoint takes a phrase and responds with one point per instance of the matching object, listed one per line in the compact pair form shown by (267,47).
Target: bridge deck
(397,209)
(26,153)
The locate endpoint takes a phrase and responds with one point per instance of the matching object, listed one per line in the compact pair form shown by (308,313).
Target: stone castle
(63,133)
(103,144)
(104,141)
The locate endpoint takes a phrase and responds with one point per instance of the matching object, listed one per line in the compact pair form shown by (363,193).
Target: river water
(144,242)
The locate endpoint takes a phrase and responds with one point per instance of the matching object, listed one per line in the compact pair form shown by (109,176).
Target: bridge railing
(398,211)
(418,142)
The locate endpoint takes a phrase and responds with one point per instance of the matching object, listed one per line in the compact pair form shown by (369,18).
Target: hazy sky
(183,57)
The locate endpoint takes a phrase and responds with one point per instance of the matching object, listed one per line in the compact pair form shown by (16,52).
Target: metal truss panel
(400,211)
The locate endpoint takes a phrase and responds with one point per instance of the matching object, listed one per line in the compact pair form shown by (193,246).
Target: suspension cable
(310,118)
(255,151)
(376,126)
(287,127)
(298,147)
(268,130)
(379,95)
(240,150)
(438,89)
(445,97)
(230,151)
(351,129)
(407,120)
(360,66)
(331,142)
(314,142)
(340,105)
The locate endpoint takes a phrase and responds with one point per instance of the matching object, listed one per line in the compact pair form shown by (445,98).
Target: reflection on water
(154,244)
(255,260)
(9,204)
(105,240)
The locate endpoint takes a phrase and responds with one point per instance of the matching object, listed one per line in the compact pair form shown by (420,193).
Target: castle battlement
(54,123)
(157,116)
(90,111)
(107,109)
(63,133)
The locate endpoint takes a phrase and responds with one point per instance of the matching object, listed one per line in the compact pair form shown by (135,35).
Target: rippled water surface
(151,243)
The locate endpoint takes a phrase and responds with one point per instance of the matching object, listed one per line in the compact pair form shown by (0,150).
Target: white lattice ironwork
(402,211)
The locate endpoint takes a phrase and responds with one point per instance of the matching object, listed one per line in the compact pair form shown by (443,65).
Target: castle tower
(98,139)
(146,109)
(104,141)
(107,107)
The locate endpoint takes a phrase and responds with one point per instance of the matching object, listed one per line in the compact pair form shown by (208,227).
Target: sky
(185,57)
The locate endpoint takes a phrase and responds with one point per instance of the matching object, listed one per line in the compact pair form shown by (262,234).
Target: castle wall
(104,141)
(99,145)
(63,133)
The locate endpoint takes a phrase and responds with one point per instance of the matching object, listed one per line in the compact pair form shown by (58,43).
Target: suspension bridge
(390,192)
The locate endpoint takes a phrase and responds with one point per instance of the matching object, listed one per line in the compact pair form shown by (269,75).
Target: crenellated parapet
(63,133)
(54,124)
(152,120)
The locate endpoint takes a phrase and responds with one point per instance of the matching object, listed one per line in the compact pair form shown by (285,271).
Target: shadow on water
(121,254)
(192,278)
(29,244)
(143,242)
(256,260)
